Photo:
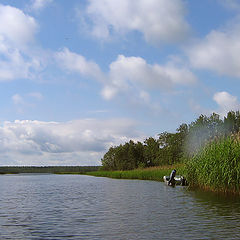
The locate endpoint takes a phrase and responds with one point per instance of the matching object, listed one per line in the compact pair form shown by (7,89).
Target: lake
(84,207)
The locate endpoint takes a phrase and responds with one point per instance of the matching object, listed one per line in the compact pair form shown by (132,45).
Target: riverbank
(153,173)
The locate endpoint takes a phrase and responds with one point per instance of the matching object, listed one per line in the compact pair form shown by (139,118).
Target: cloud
(36,139)
(14,64)
(24,102)
(226,102)
(17,99)
(17,31)
(145,96)
(77,63)
(135,73)
(36,95)
(128,75)
(231,4)
(15,26)
(218,51)
(37,5)
(158,20)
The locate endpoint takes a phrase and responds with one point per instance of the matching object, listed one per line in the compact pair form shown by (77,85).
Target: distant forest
(170,148)
(48,169)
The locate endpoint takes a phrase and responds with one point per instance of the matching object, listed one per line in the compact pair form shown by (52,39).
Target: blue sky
(77,77)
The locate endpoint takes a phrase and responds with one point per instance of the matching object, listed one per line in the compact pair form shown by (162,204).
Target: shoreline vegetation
(206,152)
(48,169)
(217,166)
(207,149)
(151,173)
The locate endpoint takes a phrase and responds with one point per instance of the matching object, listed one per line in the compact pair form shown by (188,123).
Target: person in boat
(171,178)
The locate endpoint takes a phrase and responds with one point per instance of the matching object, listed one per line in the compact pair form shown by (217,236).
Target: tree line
(170,148)
(47,169)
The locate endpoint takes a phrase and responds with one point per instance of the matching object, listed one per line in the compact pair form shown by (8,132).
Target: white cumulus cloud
(15,26)
(157,20)
(135,73)
(74,139)
(128,74)
(77,63)
(226,102)
(17,31)
(218,52)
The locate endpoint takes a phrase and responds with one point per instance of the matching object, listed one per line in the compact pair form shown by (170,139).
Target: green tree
(151,152)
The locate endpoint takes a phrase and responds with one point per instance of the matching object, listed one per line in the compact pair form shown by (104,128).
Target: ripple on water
(84,207)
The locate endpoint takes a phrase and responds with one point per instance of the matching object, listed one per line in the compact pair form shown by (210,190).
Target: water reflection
(218,214)
(227,207)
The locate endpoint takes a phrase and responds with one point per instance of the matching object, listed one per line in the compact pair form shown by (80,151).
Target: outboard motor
(184,181)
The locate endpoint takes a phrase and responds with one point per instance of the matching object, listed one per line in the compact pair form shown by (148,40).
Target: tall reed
(217,166)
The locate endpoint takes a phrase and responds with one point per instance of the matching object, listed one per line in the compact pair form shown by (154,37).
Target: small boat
(178,180)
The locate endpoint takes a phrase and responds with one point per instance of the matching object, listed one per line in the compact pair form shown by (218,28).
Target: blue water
(85,207)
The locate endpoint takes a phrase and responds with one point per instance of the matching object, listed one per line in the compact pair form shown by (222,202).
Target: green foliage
(124,157)
(232,122)
(205,129)
(153,173)
(217,166)
(167,149)
(191,141)
(171,146)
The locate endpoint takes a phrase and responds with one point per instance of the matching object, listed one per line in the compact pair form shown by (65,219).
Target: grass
(153,173)
(216,167)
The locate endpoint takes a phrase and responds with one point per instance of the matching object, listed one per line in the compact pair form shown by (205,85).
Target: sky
(77,77)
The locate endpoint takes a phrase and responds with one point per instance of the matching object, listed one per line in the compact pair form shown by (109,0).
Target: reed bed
(216,167)
(154,173)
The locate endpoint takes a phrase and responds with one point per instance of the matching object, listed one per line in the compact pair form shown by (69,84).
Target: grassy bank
(216,167)
(154,173)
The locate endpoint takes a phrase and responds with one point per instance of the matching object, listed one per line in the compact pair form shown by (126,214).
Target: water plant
(217,166)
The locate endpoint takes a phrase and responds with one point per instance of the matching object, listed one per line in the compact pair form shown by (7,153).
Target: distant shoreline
(47,169)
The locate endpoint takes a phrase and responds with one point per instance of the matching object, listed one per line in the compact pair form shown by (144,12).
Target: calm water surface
(84,207)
